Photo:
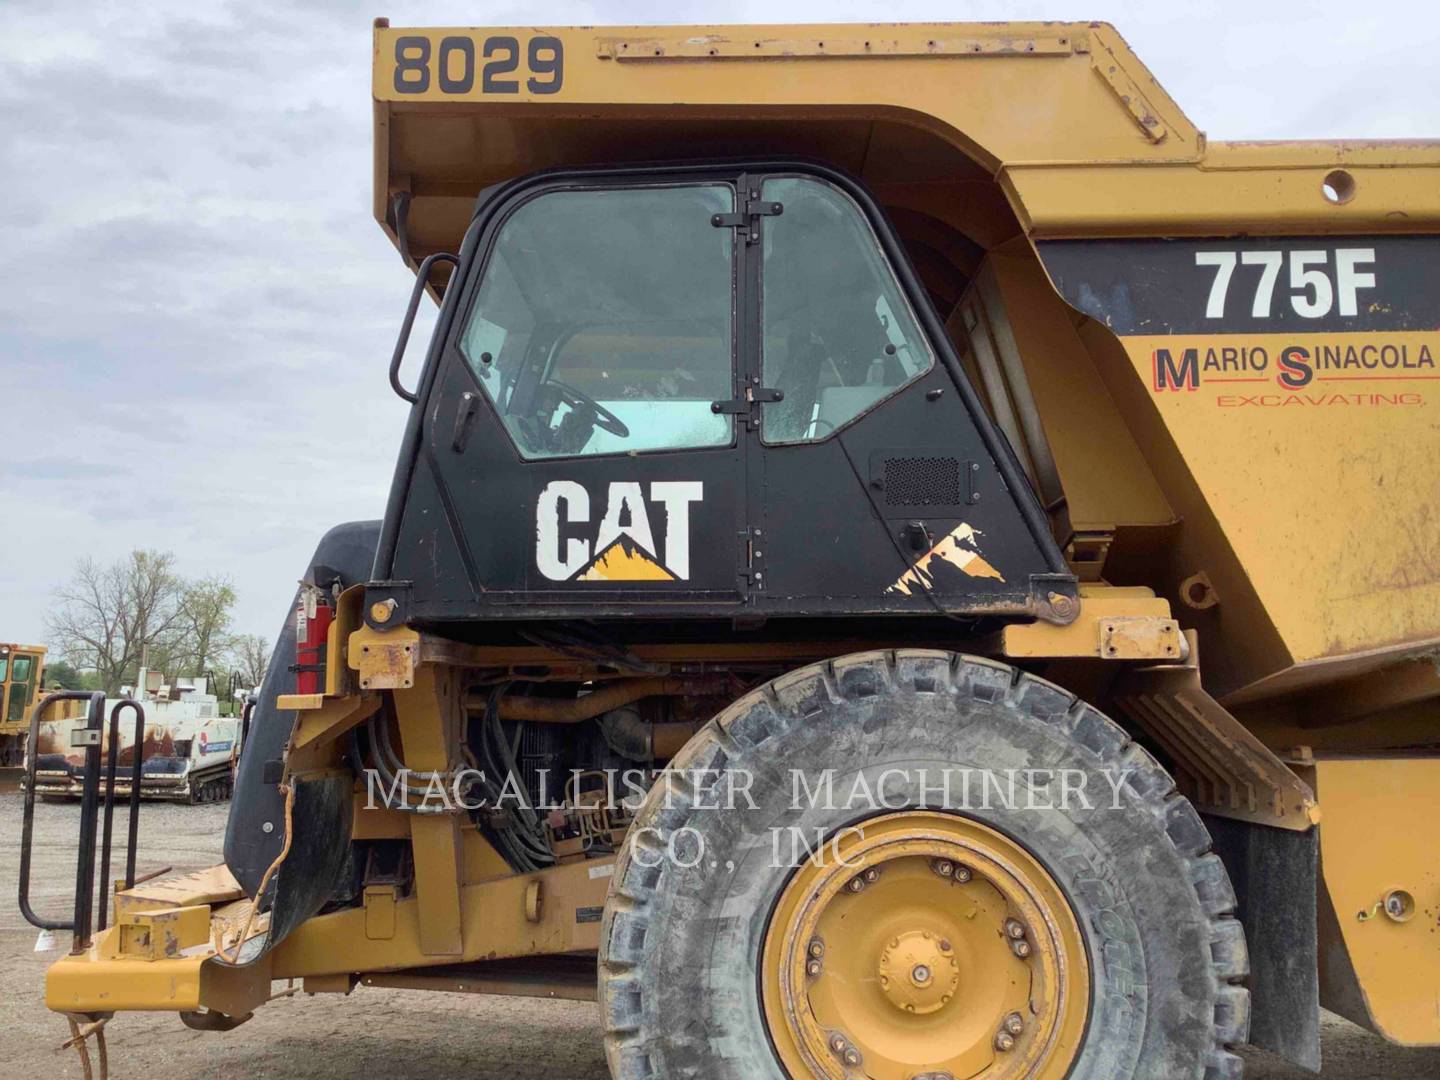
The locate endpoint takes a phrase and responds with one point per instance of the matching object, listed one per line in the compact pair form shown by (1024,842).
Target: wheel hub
(918,971)
(929,945)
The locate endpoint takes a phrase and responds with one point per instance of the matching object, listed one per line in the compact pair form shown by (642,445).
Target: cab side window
(838,334)
(604,321)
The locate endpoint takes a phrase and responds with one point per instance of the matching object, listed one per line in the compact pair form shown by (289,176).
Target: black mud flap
(318,853)
(1276,874)
(255,831)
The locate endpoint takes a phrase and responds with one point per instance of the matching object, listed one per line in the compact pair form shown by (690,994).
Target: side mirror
(422,278)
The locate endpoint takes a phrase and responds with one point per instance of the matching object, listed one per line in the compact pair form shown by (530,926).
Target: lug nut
(1022,949)
(1014,1024)
(1014,929)
(857,884)
(817,948)
(872,875)
(943,867)
(843,1050)
(962,874)
(813,969)
(1004,1042)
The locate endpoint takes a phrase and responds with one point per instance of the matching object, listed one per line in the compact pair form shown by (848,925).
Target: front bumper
(101,980)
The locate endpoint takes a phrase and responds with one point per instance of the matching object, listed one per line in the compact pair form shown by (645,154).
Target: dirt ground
(405,1034)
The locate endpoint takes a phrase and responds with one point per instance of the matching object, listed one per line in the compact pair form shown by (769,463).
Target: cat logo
(623,546)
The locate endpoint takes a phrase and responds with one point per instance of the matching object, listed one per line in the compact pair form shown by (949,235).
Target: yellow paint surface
(1084,140)
(624,561)
(1366,852)
(1327,492)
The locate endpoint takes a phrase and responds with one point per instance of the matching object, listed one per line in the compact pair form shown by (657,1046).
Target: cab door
(20,686)
(920,506)
(581,448)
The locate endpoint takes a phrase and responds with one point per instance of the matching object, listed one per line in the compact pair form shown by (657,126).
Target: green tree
(62,673)
(205,616)
(108,617)
(249,657)
(138,610)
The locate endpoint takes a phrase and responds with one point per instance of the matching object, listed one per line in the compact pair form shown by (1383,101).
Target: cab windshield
(603,324)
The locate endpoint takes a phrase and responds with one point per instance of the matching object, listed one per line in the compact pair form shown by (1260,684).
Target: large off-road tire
(1116,915)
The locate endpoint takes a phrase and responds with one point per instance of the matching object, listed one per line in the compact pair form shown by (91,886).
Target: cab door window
(22,686)
(603,324)
(838,334)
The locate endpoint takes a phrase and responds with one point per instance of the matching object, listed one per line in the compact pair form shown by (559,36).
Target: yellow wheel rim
(924,946)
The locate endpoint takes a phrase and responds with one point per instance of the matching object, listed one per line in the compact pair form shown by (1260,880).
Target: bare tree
(250,656)
(204,624)
(107,616)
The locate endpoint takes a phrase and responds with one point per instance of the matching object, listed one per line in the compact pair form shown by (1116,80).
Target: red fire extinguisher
(313,615)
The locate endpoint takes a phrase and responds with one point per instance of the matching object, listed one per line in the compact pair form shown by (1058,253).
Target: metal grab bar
(137,756)
(81,919)
(422,279)
(95,717)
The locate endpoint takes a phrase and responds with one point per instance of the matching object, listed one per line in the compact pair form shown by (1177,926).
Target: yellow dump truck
(907,560)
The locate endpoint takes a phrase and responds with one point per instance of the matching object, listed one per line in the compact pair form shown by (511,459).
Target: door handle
(464,412)
(741,405)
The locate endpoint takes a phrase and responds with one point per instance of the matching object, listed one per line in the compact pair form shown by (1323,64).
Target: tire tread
(793,697)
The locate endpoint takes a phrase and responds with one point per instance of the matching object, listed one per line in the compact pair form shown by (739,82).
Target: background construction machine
(840,408)
(22,670)
(188,749)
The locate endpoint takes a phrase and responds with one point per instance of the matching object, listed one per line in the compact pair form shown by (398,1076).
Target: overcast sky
(197,308)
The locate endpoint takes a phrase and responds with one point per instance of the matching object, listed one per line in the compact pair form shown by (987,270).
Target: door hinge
(751,560)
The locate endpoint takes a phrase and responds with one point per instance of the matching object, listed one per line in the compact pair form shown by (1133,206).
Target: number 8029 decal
(454,67)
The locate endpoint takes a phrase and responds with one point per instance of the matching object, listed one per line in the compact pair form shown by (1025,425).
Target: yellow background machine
(22,670)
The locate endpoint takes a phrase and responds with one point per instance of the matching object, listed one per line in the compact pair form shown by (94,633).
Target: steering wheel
(605,420)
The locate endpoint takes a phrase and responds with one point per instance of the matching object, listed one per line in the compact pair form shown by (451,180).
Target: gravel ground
(404,1033)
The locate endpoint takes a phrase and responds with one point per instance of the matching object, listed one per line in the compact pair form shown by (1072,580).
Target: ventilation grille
(922,481)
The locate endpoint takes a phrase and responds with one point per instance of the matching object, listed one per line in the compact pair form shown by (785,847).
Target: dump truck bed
(1082,138)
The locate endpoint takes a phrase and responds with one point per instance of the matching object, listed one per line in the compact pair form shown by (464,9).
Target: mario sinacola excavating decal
(571,546)
(957,549)
(1293,323)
